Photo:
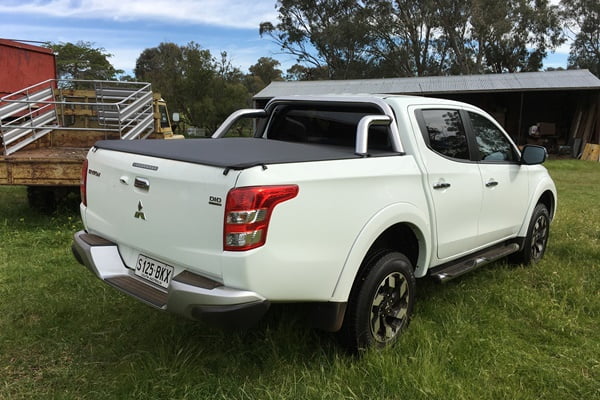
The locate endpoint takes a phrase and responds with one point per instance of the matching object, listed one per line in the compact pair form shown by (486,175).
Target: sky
(124,28)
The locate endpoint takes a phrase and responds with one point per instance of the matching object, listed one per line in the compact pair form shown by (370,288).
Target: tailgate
(168,210)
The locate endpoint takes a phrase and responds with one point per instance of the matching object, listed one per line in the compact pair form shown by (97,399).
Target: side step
(460,267)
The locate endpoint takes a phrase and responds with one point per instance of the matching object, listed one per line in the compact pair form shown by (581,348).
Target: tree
(193,82)
(455,43)
(404,37)
(227,93)
(487,36)
(378,38)
(298,72)
(583,20)
(512,36)
(266,70)
(83,61)
(334,34)
(182,74)
(163,67)
(262,73)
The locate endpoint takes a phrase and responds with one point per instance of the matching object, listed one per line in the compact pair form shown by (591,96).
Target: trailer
(47,126)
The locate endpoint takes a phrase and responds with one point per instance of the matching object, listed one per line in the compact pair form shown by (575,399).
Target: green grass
(503,332)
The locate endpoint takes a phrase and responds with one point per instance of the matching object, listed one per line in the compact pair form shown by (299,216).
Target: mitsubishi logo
(139,213)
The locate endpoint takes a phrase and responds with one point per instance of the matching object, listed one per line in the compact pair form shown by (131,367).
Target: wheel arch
(403,228)
(548,199)
(545,193)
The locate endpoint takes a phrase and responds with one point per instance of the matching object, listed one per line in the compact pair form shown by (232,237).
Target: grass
(503,332)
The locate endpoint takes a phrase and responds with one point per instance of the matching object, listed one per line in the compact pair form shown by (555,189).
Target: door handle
(491,183)
(441,185)
(142,183)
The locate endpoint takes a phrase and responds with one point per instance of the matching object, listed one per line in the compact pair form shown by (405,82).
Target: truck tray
(51,166)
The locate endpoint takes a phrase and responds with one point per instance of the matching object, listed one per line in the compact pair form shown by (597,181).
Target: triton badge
(139,213)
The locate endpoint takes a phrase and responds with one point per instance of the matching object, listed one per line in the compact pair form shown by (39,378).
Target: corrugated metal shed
(568,101)
(518,82)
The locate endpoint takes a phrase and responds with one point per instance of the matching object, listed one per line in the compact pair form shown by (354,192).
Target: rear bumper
(190,295)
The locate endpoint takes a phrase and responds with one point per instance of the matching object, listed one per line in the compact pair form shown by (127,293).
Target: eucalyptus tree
(331,34)
(386,38)
(582,18)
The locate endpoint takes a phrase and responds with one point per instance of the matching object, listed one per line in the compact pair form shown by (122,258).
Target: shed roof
(580,79)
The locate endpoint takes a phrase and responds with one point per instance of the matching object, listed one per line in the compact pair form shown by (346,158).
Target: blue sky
(125,28)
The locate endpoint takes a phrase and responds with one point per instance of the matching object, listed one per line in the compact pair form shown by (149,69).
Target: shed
(563,105)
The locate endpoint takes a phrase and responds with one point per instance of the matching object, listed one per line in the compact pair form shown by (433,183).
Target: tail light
(83,185)
(247,214)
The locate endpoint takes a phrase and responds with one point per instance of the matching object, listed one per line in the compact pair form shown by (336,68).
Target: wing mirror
(532,155)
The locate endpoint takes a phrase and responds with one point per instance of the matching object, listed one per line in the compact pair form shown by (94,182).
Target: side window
(446,133)
(491,141)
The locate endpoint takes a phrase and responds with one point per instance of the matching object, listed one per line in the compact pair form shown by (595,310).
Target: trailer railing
(29,114)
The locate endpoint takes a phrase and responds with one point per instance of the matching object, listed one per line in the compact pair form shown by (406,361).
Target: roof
(579,79)
(25,46)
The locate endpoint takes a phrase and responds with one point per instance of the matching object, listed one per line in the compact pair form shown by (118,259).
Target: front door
(504,182)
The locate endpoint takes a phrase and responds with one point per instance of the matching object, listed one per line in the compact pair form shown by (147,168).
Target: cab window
(491,141)
(445,133)
(164,117)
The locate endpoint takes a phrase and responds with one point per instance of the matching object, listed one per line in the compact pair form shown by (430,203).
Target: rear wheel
(534,246)
(380,304)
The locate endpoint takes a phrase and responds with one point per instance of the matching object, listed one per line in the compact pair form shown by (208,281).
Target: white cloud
(565,48)
(124,58)
(226,13)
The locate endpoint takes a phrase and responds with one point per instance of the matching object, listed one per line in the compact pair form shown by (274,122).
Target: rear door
(453,180)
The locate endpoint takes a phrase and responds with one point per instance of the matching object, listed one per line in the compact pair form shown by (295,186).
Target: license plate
(154,271)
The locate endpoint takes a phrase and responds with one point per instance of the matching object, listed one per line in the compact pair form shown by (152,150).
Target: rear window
(445,133)
(325,126)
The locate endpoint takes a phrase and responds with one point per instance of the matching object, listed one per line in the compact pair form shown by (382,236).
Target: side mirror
(533,155)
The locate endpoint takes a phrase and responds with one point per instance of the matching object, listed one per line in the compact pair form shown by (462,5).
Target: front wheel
(380,304)
(535,242)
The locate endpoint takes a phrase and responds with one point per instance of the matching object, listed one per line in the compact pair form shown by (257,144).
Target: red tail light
(247,214)
(83,186)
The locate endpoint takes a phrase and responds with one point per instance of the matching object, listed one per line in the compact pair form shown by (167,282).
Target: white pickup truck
(339,202)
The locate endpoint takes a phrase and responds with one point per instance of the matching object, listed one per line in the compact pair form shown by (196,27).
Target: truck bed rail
(31,113)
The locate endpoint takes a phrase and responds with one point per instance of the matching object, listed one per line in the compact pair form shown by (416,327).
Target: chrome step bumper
(191,295)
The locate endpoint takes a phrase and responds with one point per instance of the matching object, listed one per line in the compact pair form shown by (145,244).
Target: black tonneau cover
(232,153)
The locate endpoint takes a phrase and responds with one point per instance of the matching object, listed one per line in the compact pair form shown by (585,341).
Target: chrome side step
(460,267)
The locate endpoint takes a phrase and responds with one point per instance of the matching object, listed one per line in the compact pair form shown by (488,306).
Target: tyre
(380,304)
(535,242)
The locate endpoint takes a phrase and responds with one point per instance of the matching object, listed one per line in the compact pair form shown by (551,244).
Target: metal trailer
(47,127)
